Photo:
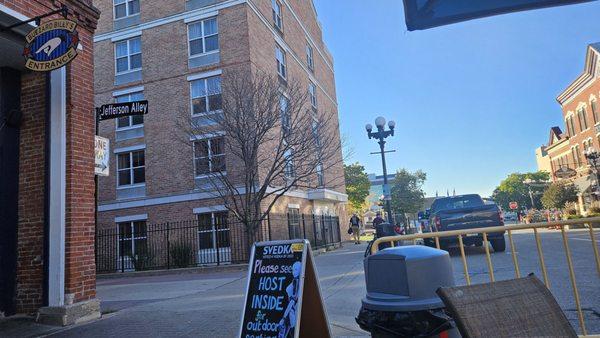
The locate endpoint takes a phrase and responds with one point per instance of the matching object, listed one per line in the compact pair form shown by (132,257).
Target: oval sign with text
(51,45)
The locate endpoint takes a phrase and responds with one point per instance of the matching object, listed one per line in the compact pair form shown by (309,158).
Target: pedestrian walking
(377,220)
(355,227)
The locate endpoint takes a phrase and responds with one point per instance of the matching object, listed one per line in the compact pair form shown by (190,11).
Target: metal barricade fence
(509,229)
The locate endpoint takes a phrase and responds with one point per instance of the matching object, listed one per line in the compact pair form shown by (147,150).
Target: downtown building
(565,151)
(173,54)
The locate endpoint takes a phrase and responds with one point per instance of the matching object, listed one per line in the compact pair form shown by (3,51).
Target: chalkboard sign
(281,284)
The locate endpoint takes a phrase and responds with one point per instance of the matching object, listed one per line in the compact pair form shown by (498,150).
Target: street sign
(283,297)
(387,196)
(51,45)
(116,110)
(102,155)
(513,205)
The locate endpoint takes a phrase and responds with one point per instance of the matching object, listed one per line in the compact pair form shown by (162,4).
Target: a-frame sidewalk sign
(283,296)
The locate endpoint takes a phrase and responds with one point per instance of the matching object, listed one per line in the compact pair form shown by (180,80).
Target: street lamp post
(380,135)
(593,158)
(528,182)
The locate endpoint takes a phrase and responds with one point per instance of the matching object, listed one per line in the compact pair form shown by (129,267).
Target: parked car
(510,217)
(465,212)
(423,221)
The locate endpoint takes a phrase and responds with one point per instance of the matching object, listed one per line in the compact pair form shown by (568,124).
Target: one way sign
(102,151)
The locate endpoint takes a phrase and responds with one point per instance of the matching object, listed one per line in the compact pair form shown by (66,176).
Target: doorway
(10,102)
(214,244)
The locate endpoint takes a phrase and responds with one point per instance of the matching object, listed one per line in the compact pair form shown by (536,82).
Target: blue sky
(471,100)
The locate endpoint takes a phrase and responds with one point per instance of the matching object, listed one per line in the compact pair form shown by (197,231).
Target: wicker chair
(521,307)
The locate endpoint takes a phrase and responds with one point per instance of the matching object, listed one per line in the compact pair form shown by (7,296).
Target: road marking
(581,239)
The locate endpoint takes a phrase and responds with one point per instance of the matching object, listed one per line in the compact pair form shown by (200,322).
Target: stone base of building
(70,314)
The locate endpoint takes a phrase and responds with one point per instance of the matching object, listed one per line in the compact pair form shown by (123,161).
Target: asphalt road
(210,304)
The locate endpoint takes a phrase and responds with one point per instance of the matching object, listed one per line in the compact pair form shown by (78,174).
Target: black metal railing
(189,243)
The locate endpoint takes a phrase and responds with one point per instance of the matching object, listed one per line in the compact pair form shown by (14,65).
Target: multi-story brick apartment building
(581,112)
(47,170)
(173,54)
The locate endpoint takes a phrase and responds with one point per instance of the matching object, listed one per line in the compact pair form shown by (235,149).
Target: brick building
(581,113)
(173,53)
(46,171)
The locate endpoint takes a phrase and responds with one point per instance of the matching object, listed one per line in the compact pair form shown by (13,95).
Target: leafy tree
(512,189)
(407,192)
(357,185)
(558,194)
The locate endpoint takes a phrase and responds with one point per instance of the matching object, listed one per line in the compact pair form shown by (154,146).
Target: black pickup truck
(465,212)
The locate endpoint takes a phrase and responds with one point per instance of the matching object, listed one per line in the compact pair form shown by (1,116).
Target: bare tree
(272,140)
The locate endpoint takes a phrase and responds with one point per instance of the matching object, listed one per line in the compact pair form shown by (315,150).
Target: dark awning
(423,14)
(12,42)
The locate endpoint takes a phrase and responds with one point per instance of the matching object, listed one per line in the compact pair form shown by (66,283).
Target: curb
(199,269)
(179,271)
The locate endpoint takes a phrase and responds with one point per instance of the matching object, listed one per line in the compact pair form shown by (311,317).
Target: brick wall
(79,241)
(570,108)
(244,42)
(262,53)
(168,153)
(583,98)
(80,274)
(30,270)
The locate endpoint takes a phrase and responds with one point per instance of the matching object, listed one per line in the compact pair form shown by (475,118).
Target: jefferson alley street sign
(116,110)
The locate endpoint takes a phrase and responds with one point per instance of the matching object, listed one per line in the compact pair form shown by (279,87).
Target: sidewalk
(204,304)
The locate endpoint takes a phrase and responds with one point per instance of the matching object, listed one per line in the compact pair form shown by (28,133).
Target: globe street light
(380,135)
(593,158)
(529,182)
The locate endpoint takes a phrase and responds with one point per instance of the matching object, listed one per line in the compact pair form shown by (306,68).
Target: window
(582,119)
(209,156)
(131,168)
(294,229)
(587,144)
(277,21)
(213,233)
(285,114)
(204,37)
(206,95)
(576,156)
(456,202)
(309,57)
(280,57)
(128,55)
(320,175)
(289,164)
(564,161)
(312,92)
(125,8)
(570,126)
(594,110)
(133,238)
(130,121)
